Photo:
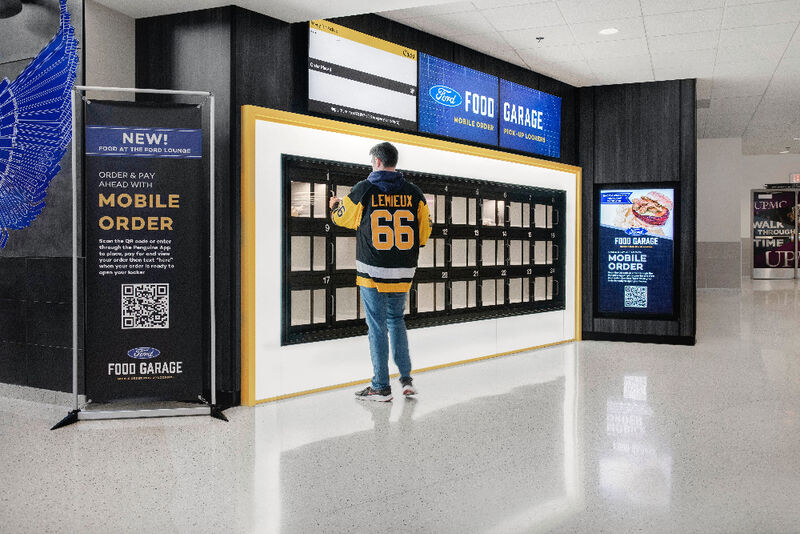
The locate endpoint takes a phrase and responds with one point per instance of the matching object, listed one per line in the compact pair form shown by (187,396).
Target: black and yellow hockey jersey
(392,221)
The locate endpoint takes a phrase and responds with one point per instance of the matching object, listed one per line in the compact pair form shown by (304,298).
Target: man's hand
(333,202)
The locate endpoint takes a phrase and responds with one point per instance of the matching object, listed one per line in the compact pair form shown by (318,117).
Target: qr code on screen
(145,306)
(635,296)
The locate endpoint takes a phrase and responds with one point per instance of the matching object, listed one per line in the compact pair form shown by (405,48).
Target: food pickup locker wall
(276,370)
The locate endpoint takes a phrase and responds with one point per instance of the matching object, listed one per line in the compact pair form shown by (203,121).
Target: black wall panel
(640,133)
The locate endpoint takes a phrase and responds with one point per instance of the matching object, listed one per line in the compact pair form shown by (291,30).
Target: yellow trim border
(362,38)
(252,114)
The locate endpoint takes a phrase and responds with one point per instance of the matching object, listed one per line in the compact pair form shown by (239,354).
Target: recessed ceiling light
(608,31)
(784,151)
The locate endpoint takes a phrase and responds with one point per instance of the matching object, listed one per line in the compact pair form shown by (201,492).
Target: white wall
(724,179)
(718,189)
(110,49)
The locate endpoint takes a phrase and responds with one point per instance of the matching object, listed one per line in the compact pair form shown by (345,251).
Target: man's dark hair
(386,152)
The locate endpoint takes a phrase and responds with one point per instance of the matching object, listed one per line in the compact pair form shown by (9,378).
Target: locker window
(319,306)
(440,209)
(501,291)
(430,200)
(540,252)
(540,288)
(550,287)
(440,296)
(526,215)
(472,252)
(488,252)
(549,252)
(501,253)
(320,201)
(346,303)
(301,253)
(407,309)
(439,252)
(345,252)
(426,254)
(458,210)
(425,298)
(472,210)
(515,252)
(301,307)
(320,262)
(549,216)
(300,199)
(526,290)
(515,290)
(472,292)
(489,215)
(458,295)
(488,292)
(540,216)
(343,190)
(515,214)
(501,213)
(458,253)
(526,252)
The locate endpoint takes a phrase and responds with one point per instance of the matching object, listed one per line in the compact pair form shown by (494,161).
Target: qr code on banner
(145,306)
(635,296)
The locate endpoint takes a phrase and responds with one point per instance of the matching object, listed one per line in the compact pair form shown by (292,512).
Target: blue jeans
(385,319)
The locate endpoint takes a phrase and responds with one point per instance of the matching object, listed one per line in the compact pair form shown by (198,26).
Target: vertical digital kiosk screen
(530,120)
(456,101)
(360,77)
(636,252)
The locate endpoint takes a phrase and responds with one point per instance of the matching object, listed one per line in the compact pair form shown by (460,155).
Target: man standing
(392,221)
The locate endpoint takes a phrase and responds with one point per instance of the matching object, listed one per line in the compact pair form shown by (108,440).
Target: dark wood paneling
(640,133)
(193,51)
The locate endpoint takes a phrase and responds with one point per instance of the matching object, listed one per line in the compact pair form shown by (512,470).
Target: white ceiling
(744,53)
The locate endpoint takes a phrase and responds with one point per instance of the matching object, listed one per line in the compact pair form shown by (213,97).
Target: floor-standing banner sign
(145,236)
(773,234)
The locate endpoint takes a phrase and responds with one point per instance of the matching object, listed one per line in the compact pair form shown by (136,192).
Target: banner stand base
(77,415)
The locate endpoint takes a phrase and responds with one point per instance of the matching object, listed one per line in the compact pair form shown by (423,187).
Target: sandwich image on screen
(361,77)
(636,251)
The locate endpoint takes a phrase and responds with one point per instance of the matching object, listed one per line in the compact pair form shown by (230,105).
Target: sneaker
(408,387)
(380,395)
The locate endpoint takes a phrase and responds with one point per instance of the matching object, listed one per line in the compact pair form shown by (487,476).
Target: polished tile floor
(588,438)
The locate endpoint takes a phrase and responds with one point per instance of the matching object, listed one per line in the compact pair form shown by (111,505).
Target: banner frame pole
(76,414)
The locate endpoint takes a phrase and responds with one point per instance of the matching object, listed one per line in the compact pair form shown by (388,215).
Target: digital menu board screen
(530,120)
(360,77)
(636,251)
(456,101)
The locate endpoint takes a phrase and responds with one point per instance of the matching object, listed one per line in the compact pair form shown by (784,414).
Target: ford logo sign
(636,231)
(445,96)
(143,353)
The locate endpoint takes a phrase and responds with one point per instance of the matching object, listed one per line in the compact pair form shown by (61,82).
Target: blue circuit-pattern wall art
(35,128)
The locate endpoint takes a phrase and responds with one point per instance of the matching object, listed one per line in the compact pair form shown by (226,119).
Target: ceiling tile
(630,47)
(615,78)
(683,72)
(752,68)
(755,35)
(726,87)
(703,88)
(687,41)
(658,7)
(552,54)
(701,59)
(452,24)
(578,11)
(742,2)
(489,4)
(482,42)
(741,105)
(684,22)
(620,64)
(587,32)
(424,11)
(553,36)
(526,16)
(761,14)
(794,46)
(573,69)
(761,52)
